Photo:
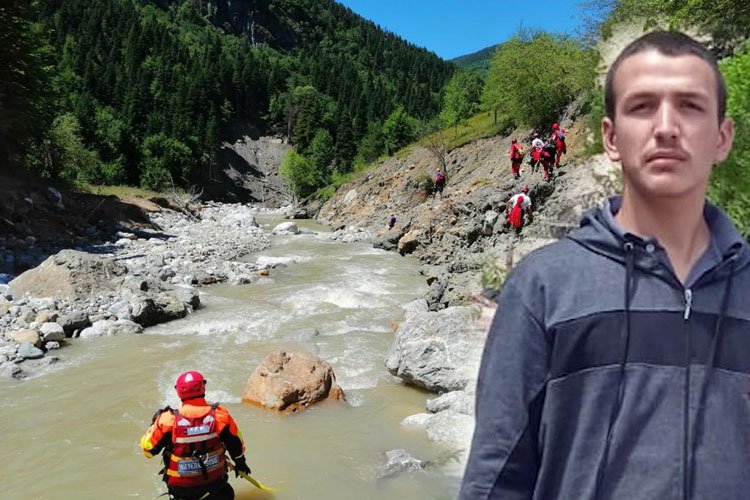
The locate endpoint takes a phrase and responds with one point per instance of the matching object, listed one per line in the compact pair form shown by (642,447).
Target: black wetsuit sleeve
(165,441)
(233,443)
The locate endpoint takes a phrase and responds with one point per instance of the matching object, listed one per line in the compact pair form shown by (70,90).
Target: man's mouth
(666,156)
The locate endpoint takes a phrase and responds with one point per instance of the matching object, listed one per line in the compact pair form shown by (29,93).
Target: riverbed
(74,433)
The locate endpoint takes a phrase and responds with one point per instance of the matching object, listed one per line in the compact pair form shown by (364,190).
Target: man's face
(665,131)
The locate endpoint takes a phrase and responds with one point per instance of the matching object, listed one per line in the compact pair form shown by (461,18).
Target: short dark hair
(669,43)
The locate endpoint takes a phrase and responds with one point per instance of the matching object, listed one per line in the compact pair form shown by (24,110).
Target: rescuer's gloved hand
(240,465)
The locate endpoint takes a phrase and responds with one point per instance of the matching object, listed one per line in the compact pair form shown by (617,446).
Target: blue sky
(453,28)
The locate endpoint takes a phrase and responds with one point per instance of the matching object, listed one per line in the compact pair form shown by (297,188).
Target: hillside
(477,61)
(146,92)
(457,236)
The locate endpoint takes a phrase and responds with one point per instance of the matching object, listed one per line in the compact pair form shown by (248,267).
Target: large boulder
(439,351)
(409,242)
(24,336)
(107,327)
(148,311)
(240,218)
(286,228)
(290,382)
(69,274)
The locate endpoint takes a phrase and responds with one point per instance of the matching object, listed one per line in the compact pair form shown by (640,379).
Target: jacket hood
(600,233)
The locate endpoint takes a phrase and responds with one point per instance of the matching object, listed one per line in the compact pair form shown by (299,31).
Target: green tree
(726,21)
(730,181)
(320,152)
(24,80)
(300,173)
(399,130)
(62,154)
(533,77)
(462,97)
(165,161)
(372,144)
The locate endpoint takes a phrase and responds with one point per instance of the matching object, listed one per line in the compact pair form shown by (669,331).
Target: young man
(516,158)
(618,363)
(194,440)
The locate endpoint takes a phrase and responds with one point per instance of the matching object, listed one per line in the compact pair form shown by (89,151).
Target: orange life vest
(197,455)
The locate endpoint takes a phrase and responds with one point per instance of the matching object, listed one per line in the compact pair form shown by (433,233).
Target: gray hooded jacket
(603,377)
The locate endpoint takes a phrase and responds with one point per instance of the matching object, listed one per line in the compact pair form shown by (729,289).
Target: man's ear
(726,137)
(608,139)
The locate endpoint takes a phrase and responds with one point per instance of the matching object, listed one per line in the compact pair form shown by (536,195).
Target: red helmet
(190,385)
(555,126)
(525,189)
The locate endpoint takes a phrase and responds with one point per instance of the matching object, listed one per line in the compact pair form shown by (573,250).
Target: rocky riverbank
(145,277)
(457,238)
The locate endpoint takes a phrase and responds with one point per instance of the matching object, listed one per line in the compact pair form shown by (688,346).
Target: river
(72,433)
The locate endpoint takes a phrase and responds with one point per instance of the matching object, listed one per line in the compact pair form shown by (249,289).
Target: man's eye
(639,106)
(692,106)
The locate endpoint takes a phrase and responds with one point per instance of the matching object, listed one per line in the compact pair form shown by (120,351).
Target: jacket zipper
(686,398)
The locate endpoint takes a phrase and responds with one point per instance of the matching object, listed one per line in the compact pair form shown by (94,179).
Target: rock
(52,332)
(27,351)
(286,228)
(127,236)
(69,274)
(488,224)
(108,327)
(409,242)
(290,382)
(451,427)
(396,462)
(55,197)
(24,336)
(439,351)
(121,309)
(51,345)
(416,420)
(73,321)
(456,401)
(187,295)
(45,316)
(350,197)
(4,308)
(241,219)
(148,311)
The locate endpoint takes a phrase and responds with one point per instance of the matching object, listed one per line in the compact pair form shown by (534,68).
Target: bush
(493,274)
(425,183)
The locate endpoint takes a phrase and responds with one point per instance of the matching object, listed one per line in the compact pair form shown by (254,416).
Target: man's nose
(667,125)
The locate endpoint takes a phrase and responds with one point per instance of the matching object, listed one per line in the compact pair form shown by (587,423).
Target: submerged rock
(396,462)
